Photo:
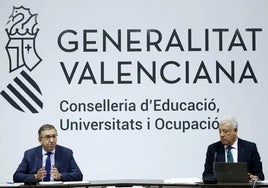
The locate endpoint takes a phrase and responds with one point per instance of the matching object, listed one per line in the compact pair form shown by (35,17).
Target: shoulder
(246,143)
(63,149)
(215,144)
(33,151)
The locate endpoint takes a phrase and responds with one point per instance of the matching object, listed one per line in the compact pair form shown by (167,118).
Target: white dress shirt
(234,152)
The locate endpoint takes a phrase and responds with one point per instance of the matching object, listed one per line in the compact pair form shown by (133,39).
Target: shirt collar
(234,145)
(45,152)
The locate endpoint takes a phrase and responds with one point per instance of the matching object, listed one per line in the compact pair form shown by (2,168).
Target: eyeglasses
(48,137)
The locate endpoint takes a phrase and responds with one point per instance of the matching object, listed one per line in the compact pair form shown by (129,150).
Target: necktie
(230,158)
(48,167)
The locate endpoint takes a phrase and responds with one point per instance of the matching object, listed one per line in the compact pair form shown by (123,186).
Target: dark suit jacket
(32,162)
(247,152)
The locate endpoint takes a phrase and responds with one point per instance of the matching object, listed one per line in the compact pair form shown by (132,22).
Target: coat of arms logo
(23,93)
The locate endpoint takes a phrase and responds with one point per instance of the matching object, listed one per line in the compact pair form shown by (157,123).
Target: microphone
(215,156)
(214,159)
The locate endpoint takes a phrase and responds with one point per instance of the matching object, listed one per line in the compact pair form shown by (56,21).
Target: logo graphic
(24,92)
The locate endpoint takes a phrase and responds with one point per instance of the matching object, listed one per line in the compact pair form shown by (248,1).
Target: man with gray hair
(230,148)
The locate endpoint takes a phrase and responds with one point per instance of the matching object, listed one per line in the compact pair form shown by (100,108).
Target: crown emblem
(22,23)
(18,35)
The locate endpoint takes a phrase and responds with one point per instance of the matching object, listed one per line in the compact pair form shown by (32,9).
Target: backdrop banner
(134,88)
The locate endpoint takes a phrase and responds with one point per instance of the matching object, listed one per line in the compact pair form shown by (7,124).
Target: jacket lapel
(39,158)
(221,154)
(57,157)
(241,151)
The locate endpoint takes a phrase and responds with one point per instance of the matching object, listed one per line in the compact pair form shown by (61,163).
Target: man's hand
(41,173)
(55,173)
(252,177)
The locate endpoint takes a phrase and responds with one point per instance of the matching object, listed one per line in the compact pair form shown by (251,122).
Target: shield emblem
(21,51)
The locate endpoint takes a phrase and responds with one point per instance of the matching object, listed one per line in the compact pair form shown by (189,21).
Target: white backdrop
(191,40)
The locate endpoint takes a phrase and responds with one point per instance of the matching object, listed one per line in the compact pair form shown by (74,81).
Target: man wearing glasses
(49,161)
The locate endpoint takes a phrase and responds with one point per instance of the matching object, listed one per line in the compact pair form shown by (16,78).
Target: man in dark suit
(62,164)
(242,151)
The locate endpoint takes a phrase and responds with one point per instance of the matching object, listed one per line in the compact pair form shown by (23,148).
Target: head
(47,136)
(228,128)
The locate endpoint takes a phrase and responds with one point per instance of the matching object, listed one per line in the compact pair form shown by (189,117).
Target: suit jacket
(33,159)
(247,152)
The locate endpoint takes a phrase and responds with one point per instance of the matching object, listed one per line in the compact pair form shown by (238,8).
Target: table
(134,182)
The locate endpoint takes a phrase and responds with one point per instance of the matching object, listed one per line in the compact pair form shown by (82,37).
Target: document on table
(75,182)
(263,182)
(50,182)
(60,182)
(188,180)
(11,184)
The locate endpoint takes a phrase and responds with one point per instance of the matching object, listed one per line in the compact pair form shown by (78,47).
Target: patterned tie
(230,158)
(48,167)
